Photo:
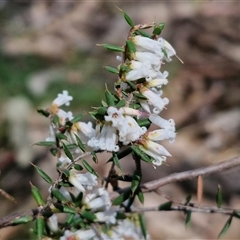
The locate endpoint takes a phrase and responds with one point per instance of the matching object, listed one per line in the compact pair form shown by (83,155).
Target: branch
(176,177)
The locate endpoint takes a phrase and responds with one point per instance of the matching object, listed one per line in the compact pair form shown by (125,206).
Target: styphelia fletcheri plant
(119,126)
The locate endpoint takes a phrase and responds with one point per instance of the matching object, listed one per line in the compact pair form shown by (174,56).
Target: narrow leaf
(143,225)
(116,161)
(111,69)
(89,168)
(61,136)
(78,167)
(140,96)
(131,46)
(22,220)
(158,29)
(165,206)
(43,112)
(46,143)
(58,195)
(109,98)
(67,152)
(80,143)
(121,198)
(37,195)
(70,218)
(128,19)
(43,174)
(77,118)
(67,209)
(121,103)
(188,199)
(140,196)
(141,154)
(225,227)
(88,215)
(112,47)
(219,197)
(188,219)
(136,181)
(143,33)
(40,224)
(144,122)
(94,157)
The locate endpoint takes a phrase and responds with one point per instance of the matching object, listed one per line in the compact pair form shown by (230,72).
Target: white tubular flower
(65,193)
(156,83)
(106,139)
(149,57)
(167,48)
(154,150)
(162,123)
(149,44)
(97,200)
(154,99)
(128,129)
(51,137)
(129,229)
(53,223)
(108,216)
(162,134)
(140,70)
(63,99)
(82,181)
(63,116)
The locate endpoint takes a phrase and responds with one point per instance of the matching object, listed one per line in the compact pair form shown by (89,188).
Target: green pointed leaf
(121,103)
(219,197)
(143,33)
(67,152)
(132,85)
(140,196)
(141,154)
(40,225)
(140,96)
(77,118)
(121,198)
(143,225)
(116,161)
(188,219)
(188,199)
(43,112)
(94,157)
(121,215)
(61,136)
(136,181)
(37,195)
(56,119)
(225,227)
(43,174)
(165,206)
(102,110)
(158,29)
(128,19)
(131,46)
(109,98)
(70,218)
(144,123)
(236,214)
(112,47)
(22,220)
(89,168)
(54,151)
(45,144)
(88,215)
(67,209)
(59,196)
(80,143)
(111,69)
(78,167)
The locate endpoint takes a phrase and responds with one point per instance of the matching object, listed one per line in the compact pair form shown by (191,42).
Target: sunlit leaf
(188,218)
(37,195)
(40,225)
(112,47)
(143,225)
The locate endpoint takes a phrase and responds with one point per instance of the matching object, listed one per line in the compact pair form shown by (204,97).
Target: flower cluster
(95,204)
(120,126)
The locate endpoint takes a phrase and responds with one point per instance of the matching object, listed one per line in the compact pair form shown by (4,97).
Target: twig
(176,177)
